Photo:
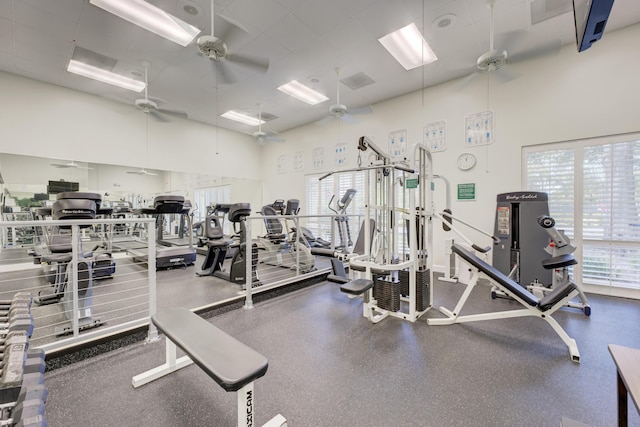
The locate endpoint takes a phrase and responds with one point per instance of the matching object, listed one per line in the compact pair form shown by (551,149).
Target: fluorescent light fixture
(104,76)
(242,118)
(302,92)
(408,47)
(150,18)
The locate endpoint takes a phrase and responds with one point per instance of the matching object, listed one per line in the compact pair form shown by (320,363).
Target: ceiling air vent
(357,81)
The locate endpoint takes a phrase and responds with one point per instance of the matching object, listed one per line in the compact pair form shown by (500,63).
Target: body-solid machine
(217,247)
(523,254)
(521,250)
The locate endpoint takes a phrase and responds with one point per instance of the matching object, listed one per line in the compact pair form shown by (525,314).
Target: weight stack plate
(422,287)
(387,293)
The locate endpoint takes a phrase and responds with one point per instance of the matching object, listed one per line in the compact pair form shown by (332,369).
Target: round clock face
(466,161)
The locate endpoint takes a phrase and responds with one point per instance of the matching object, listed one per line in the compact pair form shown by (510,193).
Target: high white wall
(44,120)
(564,97)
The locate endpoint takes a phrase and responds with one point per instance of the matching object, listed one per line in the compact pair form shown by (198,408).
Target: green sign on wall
(411,183)
(467,191)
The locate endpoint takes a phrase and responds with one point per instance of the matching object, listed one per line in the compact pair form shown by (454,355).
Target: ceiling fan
(261,136)
(495,59)
(151,107)
(340,111)
(216,50)
(142,172)
(71,164)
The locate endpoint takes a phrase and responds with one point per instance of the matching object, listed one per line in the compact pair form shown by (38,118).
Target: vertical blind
(594,195)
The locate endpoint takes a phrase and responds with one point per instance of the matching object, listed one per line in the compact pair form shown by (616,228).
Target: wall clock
(466,161)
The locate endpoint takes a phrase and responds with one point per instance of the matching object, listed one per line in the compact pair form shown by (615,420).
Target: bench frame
(245,395)
(453,316)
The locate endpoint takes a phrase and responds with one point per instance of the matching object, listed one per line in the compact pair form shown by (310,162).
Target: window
(319,195)
(205,197)
(594,195)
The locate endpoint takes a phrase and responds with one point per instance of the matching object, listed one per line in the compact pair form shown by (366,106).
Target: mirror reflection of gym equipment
(279,247)
(218,246)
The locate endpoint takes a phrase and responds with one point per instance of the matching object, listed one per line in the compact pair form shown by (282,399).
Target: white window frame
(577,236)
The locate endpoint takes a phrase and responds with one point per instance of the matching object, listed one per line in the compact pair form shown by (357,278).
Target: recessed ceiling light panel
(302,92)
(242,118)
(408,47)
(104,76)
(150,18)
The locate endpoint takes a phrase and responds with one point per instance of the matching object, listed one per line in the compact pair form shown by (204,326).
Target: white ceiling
(303,39)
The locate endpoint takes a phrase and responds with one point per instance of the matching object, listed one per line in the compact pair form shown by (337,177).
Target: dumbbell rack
(22,390)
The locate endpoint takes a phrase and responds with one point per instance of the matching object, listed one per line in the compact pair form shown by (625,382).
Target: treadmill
(173,256)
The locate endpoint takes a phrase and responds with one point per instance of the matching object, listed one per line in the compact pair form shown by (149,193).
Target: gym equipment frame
(532,306)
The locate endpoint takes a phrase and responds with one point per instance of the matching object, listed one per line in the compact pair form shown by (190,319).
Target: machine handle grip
(481,249)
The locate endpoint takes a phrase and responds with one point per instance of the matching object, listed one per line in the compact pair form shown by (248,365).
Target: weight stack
(386,292)
(422,287)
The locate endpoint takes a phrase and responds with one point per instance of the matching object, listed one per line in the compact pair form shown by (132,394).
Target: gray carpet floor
(329,366)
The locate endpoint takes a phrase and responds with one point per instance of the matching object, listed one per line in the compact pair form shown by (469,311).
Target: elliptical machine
(276,247)
(217,247)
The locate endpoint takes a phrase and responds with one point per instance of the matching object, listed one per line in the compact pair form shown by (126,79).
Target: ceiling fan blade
(231,29)
(222,70)
(548,49)
(275,139)
(61,166)
(367,109)
(175,113)
(158,116)
(506,74)
(465,81)
(511,40)
(259,64)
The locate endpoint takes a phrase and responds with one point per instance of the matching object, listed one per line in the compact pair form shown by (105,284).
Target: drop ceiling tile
(6,36)
(291,33)
(348,35)
(257,16)
(67,10)
(321,16)
(385,17)
(43,21)
(6,9)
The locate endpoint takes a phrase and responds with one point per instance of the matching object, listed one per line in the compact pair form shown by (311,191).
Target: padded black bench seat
(543,304)
(229,362)
(357,286)
(233,365)
(559,261)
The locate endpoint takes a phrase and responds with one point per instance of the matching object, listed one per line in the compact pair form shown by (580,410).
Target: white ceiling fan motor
(492,60)
(214,48)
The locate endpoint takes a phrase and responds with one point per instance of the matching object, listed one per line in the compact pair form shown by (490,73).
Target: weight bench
(533,306)
(232,364)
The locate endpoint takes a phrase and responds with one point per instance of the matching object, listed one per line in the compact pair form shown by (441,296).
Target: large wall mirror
(27,180)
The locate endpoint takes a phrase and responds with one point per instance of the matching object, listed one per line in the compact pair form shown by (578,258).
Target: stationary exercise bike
(275,247)
(218,246)
(561,251)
